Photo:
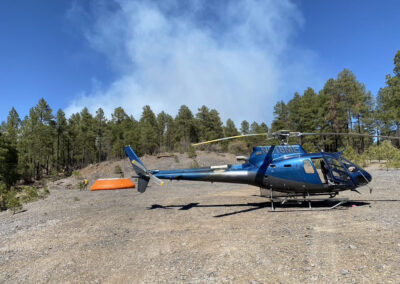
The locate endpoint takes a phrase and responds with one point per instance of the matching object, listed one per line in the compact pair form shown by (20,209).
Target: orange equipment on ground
(108,184)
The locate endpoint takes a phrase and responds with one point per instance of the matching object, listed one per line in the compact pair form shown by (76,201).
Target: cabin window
(308,167)
(272,166)
(287,166)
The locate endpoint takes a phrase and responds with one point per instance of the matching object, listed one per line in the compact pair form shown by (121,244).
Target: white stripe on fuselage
(231,173)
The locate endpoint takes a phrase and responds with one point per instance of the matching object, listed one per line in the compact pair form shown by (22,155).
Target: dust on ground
(199,232)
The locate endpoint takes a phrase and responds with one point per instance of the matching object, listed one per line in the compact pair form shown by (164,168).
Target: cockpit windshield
(349,165)
(337,169)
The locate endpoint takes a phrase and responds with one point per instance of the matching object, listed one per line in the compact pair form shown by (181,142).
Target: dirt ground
(193,232)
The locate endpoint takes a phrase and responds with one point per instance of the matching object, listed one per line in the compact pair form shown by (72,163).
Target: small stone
(345,272)
(352,247)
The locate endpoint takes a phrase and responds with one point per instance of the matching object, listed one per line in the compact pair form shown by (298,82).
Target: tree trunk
(68,156)
(359,131)
(58,151)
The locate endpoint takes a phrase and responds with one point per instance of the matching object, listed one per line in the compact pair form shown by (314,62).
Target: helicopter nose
(362,177)
(367,175)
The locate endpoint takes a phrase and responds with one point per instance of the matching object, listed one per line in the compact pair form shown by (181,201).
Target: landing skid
(306,198)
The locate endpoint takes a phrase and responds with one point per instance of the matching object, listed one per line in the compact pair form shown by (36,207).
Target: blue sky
(240,57)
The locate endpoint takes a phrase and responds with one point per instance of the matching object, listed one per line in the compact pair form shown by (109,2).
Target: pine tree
(39,137)
(165,131)
(308,111)
(148,131)
(8,162)
(101,124)
(230,129)
(74,146)
(61,128)
(281,116)
(12,127)
(389,98)
(186,127)
(209,123)
(244,127)
(87,137)
(294,117)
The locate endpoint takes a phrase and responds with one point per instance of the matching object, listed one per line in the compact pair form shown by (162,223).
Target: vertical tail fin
(143,174)
(132,156)
(140,169)
(142,184)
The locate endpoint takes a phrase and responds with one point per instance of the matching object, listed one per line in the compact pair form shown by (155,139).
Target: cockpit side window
(349,165)
(308,167)
(337,169)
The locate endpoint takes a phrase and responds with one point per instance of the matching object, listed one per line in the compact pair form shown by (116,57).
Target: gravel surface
(193,232)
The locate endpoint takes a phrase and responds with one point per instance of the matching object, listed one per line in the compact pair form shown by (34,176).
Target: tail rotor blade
(156,180)
(152,177)
(139,167)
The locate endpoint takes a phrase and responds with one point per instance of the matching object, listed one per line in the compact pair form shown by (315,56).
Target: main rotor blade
(230,138)
(347,134)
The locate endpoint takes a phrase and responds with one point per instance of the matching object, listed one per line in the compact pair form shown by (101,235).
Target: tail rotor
(143,174)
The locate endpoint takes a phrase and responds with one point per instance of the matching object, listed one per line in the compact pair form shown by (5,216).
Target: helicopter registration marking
(280,150)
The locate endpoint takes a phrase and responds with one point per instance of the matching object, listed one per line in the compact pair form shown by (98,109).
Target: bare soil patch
(199,232)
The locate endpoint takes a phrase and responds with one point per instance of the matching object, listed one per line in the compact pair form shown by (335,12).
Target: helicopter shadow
(288,207)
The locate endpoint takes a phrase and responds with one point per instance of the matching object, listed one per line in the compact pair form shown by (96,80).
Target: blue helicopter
(285,169)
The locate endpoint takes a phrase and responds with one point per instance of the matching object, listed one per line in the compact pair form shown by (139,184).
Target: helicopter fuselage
(287,169)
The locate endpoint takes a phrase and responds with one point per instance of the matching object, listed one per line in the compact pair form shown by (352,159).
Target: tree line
(44,143)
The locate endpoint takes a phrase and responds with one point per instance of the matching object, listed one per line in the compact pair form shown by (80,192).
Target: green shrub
(29,194)
(3,192)
(44,193)
(194,164)
(191,152)
(12,201)
(180,149)
(9,199)
(214,147)
(389,153)
(81,185)
(360,160)
(176,159)
(224,146)
(76,174)
(118,170)
(238,147)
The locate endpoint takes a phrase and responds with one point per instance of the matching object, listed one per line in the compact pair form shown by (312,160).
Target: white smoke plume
(235,56)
